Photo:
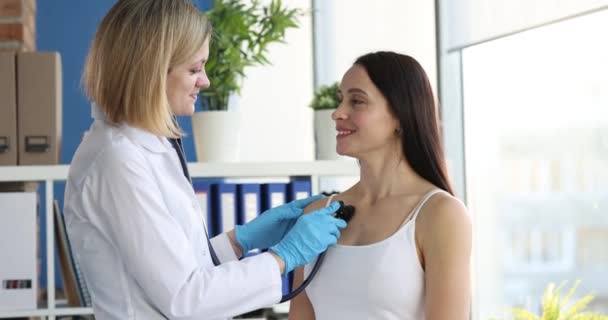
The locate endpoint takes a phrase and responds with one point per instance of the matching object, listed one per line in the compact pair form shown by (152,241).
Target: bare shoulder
(316,205)
(445,204)
(444,215)
(321,203)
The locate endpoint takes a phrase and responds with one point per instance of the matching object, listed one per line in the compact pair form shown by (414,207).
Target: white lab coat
(137,231)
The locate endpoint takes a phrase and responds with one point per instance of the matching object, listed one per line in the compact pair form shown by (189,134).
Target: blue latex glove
(270,227)
(310,236)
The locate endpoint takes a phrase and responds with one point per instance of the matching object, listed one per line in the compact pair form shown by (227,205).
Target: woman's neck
(387,176)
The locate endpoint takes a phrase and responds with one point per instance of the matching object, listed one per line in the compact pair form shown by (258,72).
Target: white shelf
(33,173)
(274,169)
(68,311)
(204,170)
(51,173)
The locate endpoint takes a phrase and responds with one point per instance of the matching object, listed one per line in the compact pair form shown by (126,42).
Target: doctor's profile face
(184,82)
(364,122)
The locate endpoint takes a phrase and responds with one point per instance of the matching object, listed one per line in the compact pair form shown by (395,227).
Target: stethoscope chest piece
(346,213)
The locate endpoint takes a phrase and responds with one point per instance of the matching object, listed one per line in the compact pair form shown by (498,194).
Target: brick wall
(17,25)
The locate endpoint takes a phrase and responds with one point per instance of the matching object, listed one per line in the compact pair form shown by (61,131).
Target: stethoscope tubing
(345,213)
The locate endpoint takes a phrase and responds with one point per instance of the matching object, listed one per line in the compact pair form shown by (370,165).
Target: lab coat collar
(96,113)
(149,141)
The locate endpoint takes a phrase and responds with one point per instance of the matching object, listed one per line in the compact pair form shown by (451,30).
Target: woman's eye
(356,102)
(193,71)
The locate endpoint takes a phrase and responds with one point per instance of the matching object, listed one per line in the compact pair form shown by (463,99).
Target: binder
(8,109)
(223,204)
(18,251)
(39,96)
(202,190)
(76,290)
(273,195)
(248,207)
(298,189)
(249,202)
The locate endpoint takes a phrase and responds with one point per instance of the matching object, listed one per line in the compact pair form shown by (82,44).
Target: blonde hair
(136,45)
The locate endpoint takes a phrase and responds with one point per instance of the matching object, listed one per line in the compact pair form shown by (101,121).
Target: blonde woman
(131,213)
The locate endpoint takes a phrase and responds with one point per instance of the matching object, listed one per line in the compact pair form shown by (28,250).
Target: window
(536,153)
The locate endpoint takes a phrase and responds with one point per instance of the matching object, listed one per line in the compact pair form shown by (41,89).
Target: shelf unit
(53,173)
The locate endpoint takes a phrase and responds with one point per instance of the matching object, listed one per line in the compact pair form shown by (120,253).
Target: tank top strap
(329,200)
(414,214)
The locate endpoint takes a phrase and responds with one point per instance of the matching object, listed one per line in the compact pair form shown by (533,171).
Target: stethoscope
(345,212)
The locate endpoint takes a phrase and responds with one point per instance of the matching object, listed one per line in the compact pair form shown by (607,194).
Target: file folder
(298,189)
(39,107)
(18,251)
(248,207)
(8,109)
(202,190)
(249,202)
(74,284)
(223,204)
(273,195)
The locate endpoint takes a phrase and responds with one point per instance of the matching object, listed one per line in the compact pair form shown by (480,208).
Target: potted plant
(241,36)
(324,102)
(556,307)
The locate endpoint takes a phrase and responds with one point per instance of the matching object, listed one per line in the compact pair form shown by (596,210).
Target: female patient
(406,252)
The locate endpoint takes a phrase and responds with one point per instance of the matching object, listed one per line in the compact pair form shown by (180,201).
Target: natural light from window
(536,153)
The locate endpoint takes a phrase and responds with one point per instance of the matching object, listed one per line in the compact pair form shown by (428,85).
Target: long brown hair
(406,87)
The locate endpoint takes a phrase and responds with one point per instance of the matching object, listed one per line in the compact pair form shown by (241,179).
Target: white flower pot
(325,136)
(216,135)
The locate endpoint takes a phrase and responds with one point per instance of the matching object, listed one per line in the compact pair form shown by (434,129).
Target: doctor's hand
(271,226)
(310,236)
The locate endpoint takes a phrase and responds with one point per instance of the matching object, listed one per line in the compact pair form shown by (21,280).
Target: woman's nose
(202,82)
(339,113)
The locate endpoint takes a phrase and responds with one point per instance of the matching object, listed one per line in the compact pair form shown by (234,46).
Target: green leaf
(554,306)
(326,97)
(241,35)
(521,314)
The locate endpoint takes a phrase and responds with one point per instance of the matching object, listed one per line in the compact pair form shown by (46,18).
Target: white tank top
(382,280)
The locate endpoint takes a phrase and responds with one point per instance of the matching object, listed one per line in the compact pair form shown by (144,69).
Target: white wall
(276,122)
(404,26)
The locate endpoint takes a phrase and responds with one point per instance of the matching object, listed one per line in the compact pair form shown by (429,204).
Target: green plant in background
(557,308)
(326,97)
(241,35)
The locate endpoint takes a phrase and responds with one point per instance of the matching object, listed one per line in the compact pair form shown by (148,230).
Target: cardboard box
(8,109)
(18,247)
(39,108)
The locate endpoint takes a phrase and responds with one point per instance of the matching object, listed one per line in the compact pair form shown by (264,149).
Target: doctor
(131,213)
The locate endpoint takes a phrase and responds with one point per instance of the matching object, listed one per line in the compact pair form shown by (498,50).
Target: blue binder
(223,207)
(287,280)
(249,204)
(273,195)
(202,189)
(298,189)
